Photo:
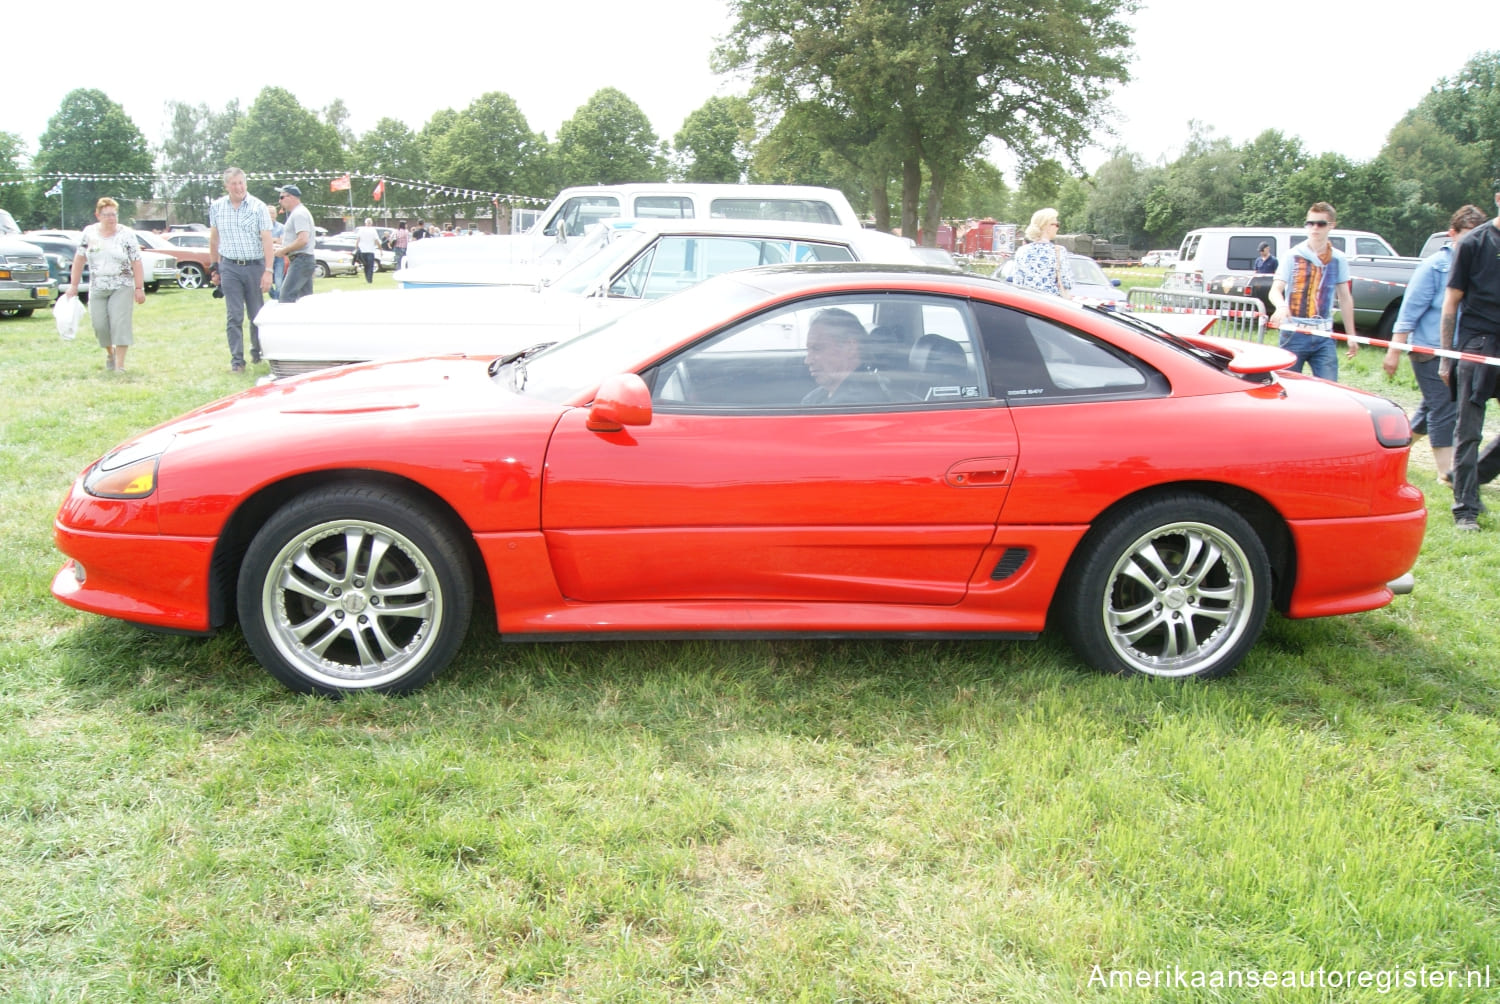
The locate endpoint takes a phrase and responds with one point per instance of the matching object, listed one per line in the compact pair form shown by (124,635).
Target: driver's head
(833,346)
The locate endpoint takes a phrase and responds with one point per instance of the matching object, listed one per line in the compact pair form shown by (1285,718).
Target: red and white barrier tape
(1381,343)
(1155,309)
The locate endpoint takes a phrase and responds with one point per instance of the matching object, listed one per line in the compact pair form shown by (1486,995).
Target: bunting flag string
(433,190)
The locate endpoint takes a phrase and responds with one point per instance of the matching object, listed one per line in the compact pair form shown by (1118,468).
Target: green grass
(697,821)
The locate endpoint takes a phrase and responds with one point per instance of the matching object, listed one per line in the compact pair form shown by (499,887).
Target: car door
(743,487)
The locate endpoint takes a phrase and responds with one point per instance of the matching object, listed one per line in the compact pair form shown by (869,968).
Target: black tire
(190,275)
(17,311)
(152,287)
(1387,323)
(1175,587)
(320,268)
(321,627)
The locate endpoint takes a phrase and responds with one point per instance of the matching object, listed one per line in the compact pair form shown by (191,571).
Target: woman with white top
(1042,264)
(117,282)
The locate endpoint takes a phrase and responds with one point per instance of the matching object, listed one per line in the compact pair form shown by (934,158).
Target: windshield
(584,274)
(1088,270)
(632,341)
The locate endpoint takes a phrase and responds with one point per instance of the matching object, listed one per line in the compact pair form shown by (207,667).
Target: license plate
(43,293)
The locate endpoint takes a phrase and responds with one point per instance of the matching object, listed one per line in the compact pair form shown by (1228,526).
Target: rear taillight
(1391,426)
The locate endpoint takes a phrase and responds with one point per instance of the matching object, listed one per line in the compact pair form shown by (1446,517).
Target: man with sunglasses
(1474,284)
(1313,276)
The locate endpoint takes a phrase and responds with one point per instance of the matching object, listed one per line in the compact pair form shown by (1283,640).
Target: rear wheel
(1176,587)
(191,276)
(321,268)
(355,588)
(152,287)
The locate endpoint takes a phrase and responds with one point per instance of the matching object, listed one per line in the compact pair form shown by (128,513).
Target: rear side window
(1035,361)
(798,210)
(1189,249)
(664,207)
(1244,250)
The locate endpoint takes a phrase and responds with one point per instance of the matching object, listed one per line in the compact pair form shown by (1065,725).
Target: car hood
(390,324)
(360,415)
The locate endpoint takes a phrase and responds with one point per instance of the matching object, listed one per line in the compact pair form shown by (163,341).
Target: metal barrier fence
(1237,316)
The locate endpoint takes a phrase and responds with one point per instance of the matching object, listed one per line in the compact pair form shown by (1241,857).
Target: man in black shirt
(1474,282)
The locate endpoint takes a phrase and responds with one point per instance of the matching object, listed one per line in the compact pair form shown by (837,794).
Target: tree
(390,150)
(489,147)
(15,195)
(196,148)
(714,142)
(930,82)
(278,140)
(91,135)
(609,141)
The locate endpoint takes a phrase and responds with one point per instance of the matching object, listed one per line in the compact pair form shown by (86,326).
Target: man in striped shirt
(239,254)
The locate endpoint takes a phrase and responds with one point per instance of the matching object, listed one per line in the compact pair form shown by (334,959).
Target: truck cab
(25,281)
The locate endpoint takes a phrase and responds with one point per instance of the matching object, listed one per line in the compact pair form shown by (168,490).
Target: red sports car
(788,451)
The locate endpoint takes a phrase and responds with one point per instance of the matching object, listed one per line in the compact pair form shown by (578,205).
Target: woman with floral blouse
(117,281)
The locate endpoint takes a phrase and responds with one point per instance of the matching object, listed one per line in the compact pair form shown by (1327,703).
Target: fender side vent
(1010,563)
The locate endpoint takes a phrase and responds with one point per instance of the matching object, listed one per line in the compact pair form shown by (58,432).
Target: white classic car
(487,260)
(644,263)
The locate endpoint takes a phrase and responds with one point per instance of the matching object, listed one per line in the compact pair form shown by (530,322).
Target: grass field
(697,821)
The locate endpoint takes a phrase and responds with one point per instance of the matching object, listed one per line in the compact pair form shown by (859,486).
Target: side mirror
(622,400)
(1114,282)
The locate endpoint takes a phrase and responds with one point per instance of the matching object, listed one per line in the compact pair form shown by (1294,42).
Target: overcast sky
(1357,66)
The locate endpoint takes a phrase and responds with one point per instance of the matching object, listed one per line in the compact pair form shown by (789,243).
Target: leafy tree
(979,192)
(91,135)
(336,114)
(609,141)
(489,147)
(931,82)
(17,197)
(279,140)
(1041,185)
(197,145)
(714,142)
(390,150)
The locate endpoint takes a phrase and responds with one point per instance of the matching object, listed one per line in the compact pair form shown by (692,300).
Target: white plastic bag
(69,313)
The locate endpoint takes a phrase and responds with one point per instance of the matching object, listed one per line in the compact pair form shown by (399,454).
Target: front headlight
(129,471)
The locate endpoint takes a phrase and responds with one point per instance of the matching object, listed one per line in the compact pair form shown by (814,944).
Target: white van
(574,209)
(1210,252)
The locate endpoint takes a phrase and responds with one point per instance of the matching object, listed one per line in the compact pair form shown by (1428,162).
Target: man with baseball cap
(296,245)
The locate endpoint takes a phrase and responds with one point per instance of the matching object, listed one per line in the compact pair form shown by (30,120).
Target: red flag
(379,189)
(339,184)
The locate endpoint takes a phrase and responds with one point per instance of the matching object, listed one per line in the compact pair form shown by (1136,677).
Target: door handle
(981,472)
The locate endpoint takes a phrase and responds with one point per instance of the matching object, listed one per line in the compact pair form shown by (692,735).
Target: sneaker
(1466,524)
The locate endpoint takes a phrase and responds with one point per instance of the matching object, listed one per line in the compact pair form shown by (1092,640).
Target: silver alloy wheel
(190,276)
(352,604)
(1178,598)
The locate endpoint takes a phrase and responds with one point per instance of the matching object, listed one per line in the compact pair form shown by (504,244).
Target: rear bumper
(1348,565)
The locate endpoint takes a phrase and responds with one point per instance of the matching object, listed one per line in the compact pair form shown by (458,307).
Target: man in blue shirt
(1314,275)
(1420,324)
(1266,264)
(239,254)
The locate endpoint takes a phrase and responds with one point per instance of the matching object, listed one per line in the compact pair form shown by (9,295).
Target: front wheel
(191,276)
(1177,587)
(321,268)
(355,588)
(152,287)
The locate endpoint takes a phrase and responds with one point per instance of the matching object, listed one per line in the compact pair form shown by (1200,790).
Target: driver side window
(846,352)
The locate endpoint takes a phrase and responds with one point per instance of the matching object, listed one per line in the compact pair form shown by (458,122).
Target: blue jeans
(1318,351)
(1442,410)
(299,278)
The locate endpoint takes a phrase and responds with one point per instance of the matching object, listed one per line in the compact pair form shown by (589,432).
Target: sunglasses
(1317,223)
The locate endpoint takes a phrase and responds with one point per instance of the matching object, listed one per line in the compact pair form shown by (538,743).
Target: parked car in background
(1159,259)
(26,283)
(385,258)
(331,260)
(60,254)
(674,474)
(650,261)
(192,262)
(1090,284)
(1433,244)
(193,239)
